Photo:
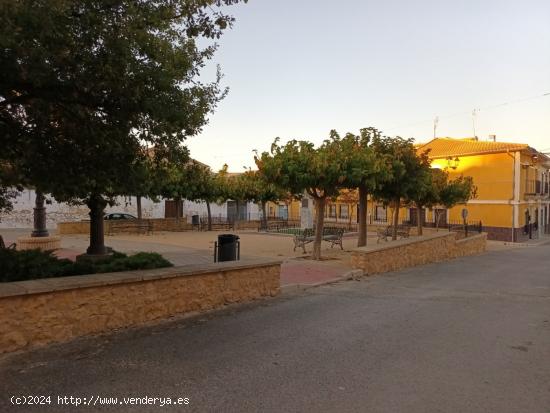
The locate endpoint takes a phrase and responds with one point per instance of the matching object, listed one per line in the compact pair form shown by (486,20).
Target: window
(332,211)
(381,214)
(344,211)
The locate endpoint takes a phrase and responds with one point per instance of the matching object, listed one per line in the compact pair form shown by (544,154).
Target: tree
(206,187)
(85,84)
(260,190)
(434,187)
(424,192)
(364,170)
(453,191)
(297,167)
(402,165)
(9,187)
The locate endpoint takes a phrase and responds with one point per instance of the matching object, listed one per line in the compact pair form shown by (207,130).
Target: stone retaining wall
(120,227)
(404,253)
(34,313)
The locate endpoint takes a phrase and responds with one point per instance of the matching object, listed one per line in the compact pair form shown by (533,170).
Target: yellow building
(512,181)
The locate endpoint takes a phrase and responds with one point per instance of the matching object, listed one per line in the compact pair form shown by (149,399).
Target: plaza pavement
(197,247)
(194,247)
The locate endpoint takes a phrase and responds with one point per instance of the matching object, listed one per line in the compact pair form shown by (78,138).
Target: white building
(23,204)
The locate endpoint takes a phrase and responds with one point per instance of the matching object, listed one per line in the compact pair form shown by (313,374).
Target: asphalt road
(471,335)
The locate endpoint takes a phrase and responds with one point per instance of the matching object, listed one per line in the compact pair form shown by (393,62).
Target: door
(414,218)
(170,210)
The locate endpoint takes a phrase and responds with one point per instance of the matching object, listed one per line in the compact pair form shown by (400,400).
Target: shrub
(35,264)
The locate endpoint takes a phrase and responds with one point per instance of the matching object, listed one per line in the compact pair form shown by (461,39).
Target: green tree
(297,167)
(260,190)
(206,186)
(402,163)
(453,191)
(84,84)
(8,188)
(365,170)
(424,191)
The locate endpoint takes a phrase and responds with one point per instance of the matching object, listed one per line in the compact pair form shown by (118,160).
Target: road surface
(470,335)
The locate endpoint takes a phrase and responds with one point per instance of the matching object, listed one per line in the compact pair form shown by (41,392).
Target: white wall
(22,214)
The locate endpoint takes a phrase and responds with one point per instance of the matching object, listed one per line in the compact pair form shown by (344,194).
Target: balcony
(535,187)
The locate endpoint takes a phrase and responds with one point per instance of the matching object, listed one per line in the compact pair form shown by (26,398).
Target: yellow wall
(492,215)
(493,174)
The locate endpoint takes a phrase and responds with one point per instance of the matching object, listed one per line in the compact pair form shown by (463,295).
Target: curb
(294,288)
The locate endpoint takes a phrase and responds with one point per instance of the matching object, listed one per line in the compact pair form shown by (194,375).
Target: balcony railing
(535,187)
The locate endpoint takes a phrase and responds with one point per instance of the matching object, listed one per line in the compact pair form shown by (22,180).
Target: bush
(35,264)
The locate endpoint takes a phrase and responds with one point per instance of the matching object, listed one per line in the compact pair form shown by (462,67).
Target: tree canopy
(299,167)
(85,84)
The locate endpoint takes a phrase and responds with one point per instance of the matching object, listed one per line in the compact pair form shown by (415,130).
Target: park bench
(302,238)
(132,225)
(383,234)
(333,235)
(3,245)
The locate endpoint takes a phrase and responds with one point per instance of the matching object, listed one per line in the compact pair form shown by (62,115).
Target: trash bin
(228,248)
(195,220)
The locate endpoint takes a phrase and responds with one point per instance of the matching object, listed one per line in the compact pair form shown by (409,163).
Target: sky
(298,68)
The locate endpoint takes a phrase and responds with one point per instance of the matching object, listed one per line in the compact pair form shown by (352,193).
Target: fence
(467,228)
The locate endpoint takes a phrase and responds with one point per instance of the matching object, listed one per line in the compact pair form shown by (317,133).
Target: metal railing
(468,227)
(534,187)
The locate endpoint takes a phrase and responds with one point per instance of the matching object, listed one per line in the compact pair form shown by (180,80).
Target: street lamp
(452,162)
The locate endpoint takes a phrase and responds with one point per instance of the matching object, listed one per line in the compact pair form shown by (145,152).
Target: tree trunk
(138,205)
(319,225)
(209,216)
(395,219)
(419,219)
(264,215)
(362,211)
(39,217)
(97,205)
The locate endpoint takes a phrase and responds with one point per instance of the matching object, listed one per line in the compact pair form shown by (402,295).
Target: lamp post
(39,216)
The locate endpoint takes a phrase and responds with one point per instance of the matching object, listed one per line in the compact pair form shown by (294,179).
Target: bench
(3,245)
(383,234)
(304,237)
(134,225)
(333,235)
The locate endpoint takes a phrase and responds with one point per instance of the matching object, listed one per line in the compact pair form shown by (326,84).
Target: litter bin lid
(228,237)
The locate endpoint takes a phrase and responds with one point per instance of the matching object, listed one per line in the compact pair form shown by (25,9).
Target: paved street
(471,335)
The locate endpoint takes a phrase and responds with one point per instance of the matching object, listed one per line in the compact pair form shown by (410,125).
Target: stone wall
(404,253)
(120,226)
(34,313)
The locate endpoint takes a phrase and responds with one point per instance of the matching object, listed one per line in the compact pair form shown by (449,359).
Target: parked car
(119,215)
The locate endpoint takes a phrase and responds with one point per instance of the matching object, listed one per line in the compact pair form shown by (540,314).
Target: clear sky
(299,68)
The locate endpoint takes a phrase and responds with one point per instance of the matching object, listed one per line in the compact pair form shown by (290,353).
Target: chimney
(493,138)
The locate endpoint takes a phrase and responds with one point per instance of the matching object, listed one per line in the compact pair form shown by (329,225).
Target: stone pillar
(306,213)
(39,217)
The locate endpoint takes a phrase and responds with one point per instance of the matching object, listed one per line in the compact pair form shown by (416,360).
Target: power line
(475,111)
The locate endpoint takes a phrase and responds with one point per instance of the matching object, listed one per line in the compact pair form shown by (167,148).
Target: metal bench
(383,234)
(3,245)
(333,235)
(304,237)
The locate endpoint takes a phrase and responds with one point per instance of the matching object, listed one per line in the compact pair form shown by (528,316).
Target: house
(512,181)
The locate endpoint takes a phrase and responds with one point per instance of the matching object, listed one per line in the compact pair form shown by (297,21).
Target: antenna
(474,113)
